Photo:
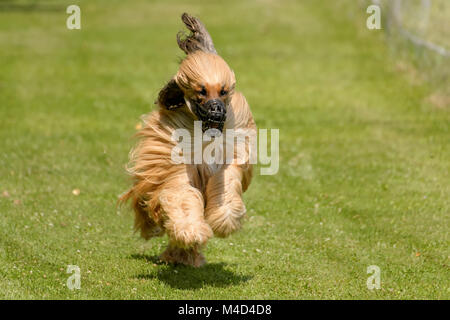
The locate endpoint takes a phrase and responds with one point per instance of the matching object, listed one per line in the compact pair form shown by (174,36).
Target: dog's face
(207,84)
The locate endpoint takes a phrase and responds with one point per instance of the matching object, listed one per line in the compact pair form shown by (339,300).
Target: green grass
(364,155)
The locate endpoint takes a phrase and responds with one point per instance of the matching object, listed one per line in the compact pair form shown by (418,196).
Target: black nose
(216,109)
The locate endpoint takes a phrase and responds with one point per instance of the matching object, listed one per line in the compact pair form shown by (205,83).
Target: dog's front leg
(183,220)
(224,205)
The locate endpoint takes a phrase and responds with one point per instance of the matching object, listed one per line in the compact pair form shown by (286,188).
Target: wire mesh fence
(420,31)
(425,23)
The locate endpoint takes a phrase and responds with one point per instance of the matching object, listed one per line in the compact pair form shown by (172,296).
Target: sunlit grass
(364,155)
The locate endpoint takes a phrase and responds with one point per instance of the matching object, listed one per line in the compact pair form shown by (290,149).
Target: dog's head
(204,81)
(207,84)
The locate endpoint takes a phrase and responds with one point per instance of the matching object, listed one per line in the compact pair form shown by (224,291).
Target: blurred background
(364,148)
(419,30)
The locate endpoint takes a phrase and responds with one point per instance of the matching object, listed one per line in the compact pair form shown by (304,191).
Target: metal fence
(424,23)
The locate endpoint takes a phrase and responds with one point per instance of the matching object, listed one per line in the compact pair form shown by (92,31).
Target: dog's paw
(226,219)
(189,257)
(188,234)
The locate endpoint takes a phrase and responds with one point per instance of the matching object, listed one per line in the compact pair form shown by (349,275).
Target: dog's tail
(198,39)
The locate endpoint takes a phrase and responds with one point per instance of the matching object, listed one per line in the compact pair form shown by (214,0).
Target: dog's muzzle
(212,114)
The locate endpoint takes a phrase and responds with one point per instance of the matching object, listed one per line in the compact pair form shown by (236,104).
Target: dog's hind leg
(144,223)
(224,205)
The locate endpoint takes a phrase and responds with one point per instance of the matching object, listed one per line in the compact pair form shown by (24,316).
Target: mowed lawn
(364,154)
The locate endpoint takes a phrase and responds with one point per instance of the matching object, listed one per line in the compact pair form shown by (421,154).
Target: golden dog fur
(189,202)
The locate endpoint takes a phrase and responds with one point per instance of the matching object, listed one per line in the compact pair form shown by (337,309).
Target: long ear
(171,96)
(198,39)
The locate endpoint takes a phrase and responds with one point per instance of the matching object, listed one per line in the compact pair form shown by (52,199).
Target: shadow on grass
(185,277)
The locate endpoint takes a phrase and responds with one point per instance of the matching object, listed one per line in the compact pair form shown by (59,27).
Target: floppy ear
(198,39)
(171,96)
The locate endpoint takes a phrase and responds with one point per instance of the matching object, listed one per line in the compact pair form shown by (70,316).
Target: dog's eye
(202,92)
(223,92)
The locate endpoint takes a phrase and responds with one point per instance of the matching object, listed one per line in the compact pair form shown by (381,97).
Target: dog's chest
(213,156)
